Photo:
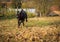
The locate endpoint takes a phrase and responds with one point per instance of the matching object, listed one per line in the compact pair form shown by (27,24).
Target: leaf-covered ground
(46,29)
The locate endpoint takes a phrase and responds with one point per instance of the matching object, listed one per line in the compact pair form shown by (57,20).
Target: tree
(44,5)
(3,5)
(17,4)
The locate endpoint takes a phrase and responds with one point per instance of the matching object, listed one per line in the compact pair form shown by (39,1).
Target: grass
(43,29)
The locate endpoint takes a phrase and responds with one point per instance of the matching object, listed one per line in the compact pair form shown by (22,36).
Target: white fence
(27,10)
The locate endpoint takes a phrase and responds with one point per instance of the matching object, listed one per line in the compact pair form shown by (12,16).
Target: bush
(9,14)
(31,15)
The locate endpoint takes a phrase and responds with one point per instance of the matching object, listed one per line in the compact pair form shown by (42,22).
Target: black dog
(21,16)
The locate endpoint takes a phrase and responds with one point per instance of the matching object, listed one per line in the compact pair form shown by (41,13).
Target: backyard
(42,29)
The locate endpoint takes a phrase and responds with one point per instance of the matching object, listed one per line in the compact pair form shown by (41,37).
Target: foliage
(31,15)
(42,6)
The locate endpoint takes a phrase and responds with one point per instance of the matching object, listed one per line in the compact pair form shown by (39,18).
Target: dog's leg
(23,23)
(19,23)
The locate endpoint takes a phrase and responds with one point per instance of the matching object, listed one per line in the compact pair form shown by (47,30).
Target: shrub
(31,15)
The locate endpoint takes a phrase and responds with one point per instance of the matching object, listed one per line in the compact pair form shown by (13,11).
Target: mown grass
(43,29)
